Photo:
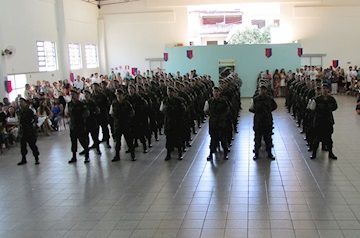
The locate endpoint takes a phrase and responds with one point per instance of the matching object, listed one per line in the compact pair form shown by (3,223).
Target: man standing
(174,110)
(78,114)
(122,112)
(263,105)
(27,132)
(219,110)
(323,106)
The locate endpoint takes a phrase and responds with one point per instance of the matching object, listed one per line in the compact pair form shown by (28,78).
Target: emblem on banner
(268,52)
(335,63)
(300,52)
(189,54)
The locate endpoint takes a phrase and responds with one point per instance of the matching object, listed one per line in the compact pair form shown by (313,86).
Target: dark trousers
(103,122)
(83,138)
(129,141)
(218,136)
(259,134)
(94,132)
(323,133)
(31,140)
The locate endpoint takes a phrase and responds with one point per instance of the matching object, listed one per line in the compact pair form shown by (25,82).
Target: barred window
(91,56)
(46,55)
(75,56)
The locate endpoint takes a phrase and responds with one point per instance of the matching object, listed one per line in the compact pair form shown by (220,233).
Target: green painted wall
(250,60)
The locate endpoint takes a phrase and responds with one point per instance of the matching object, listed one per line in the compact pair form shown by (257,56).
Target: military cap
(120,91)
(73,90)
(318,80)
(318,88)
(87,91)
(172,89)
(95,84)
(186,82)
(132,86)
(263,86)
(221,81)
(23,99)
(162,80)
(217,88)
(140,87)
(325,85)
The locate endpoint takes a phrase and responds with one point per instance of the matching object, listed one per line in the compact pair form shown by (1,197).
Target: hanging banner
(127,67)
(133,71)
(225,67)
(8,86)
(166,56)
(189,54)
(268,52)
(72,79)
(335,63)
(300,52)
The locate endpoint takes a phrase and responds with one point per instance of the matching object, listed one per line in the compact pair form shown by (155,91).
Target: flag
(133,71)
(8,87)
(72,79)
(300,52)
(189,54)
(268,52)
(166,56)
(335,63)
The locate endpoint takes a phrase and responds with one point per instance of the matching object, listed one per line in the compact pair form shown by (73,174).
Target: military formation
(145,107)
(311,105)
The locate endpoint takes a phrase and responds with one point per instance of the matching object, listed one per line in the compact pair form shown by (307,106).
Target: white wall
(134,32)
(23,22)
(325,29)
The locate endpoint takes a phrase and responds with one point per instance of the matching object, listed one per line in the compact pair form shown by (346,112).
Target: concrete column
(63,44)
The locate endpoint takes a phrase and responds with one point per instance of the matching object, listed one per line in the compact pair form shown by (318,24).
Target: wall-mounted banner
(134,70)
(225,65)
(189,54)
(127,67)
(8,86)
(166,56)
(268,52)
(300,52)
(335,63)
(72,78)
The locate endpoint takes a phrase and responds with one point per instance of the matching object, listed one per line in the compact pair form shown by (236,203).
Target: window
(91,56)
(75,56)
(211,42)
(259,23)
(18,82)
(46,55)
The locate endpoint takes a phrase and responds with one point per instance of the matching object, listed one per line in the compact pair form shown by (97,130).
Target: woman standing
(276,82)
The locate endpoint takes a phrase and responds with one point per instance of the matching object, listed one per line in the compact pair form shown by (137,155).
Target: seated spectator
(12,125)
(57,111)
(43,114)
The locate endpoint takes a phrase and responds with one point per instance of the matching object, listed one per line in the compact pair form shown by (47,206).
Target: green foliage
(249,35)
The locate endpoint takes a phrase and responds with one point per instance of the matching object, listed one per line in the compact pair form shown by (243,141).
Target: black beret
(217,88)
(120,91)
(73,90)
(325,85)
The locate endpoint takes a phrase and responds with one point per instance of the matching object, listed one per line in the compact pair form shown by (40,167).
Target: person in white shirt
(313,73)
(350,74)
(96,79)
(78,83)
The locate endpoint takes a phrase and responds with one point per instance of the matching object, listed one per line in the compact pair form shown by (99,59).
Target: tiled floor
(292,196)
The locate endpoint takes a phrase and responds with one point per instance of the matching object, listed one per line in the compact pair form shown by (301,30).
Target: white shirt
(79,84)
(313,74)
(96,80)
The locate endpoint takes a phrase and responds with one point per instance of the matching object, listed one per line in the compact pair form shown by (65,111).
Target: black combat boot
(117,156)
(73,159)
(145,148)
(23,161)
(313,156)
(210,156)
(180,153)
(331,155)
(37,160)
(168,155)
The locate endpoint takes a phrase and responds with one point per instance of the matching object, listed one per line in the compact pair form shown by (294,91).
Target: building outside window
(75,56)
(91,56)
(46,55)
(18,82)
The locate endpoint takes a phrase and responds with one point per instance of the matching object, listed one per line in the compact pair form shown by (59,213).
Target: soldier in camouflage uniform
(122,112)
(78,114)
(263,105)
(218,109)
